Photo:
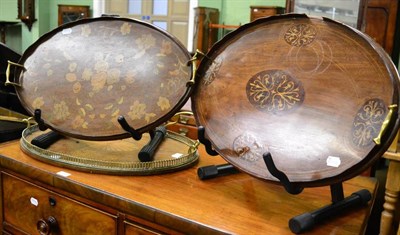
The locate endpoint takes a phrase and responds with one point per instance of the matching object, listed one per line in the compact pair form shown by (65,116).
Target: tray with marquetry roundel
(319,96)
(83,75)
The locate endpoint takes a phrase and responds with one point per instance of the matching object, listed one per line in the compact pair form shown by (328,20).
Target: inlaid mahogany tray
(83,75)
(116,157)
(312,92)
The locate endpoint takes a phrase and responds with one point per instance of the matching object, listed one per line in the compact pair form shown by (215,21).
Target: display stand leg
(44,140)
(303,222)
(212,171)
(207,144)
(146,154)
(339,204)
(38,118)
(124,124)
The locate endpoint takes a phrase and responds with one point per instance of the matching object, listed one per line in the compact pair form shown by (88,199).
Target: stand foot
(45,140)
(146,154)
(307,220)
(212,171)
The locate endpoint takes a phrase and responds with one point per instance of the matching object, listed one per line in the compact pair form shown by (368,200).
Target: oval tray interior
(84,75)
(310,91)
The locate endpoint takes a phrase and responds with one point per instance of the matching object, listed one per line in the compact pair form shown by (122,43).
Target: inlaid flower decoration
(125,28)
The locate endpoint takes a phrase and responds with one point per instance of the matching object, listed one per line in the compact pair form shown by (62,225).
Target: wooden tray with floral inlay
(312,92)
(84,75)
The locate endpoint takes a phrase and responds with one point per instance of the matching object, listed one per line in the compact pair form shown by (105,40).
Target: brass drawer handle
(47,226)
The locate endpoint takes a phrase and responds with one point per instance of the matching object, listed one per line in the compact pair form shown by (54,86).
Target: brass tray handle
(29,121)
(193,60)
(385,124)
(178,114)
(8,82)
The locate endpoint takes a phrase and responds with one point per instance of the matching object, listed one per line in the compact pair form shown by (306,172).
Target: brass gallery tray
(116,157)
(312,92)
(83,75)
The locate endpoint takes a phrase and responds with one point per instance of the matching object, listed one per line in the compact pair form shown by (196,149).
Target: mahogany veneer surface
(312,92)
(238,204)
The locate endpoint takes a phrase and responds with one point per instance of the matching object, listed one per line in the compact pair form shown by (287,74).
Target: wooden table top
(235,204)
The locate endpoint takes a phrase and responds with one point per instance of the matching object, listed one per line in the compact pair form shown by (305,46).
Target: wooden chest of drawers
(263,11)
(173,203)
(35,208)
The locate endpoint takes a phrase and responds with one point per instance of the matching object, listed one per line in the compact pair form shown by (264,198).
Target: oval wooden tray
(310,91)
(116,157)
(84,75)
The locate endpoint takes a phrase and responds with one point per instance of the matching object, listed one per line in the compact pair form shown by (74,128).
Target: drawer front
(264,12)
(25,204)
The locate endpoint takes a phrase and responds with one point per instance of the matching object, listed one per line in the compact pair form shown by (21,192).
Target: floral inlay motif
(72,67)
(163,103)
(300,35)
(76,88)
(274,91)
(79,122)
(145,42)
(71,77)
(212,72)
(100,85)
(368,122)
(61,111)
(125,28)
(130,76)
(174,82)
(98,81)
(138,111)
(87,74)
(38,102)
(86,30)
(247,147)
(113,76)
(166,48)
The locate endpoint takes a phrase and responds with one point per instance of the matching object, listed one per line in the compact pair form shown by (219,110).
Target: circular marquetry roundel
(82,76)
(312,92)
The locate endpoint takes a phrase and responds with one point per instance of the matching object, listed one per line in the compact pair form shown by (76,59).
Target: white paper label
(333,161)
(63,173)
(67,31)
(34,201)
(176,155)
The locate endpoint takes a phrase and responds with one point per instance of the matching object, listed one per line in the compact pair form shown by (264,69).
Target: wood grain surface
(312,92)
(84,75)
(235,204)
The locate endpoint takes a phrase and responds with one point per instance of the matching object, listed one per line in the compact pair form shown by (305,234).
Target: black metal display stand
(303,222)
(146,154)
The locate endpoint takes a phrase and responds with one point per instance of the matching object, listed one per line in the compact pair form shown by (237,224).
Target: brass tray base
(117,157)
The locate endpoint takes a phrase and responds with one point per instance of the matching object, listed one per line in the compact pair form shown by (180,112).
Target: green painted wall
(19,37)
(211,3)
(237,12)
(8,10)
